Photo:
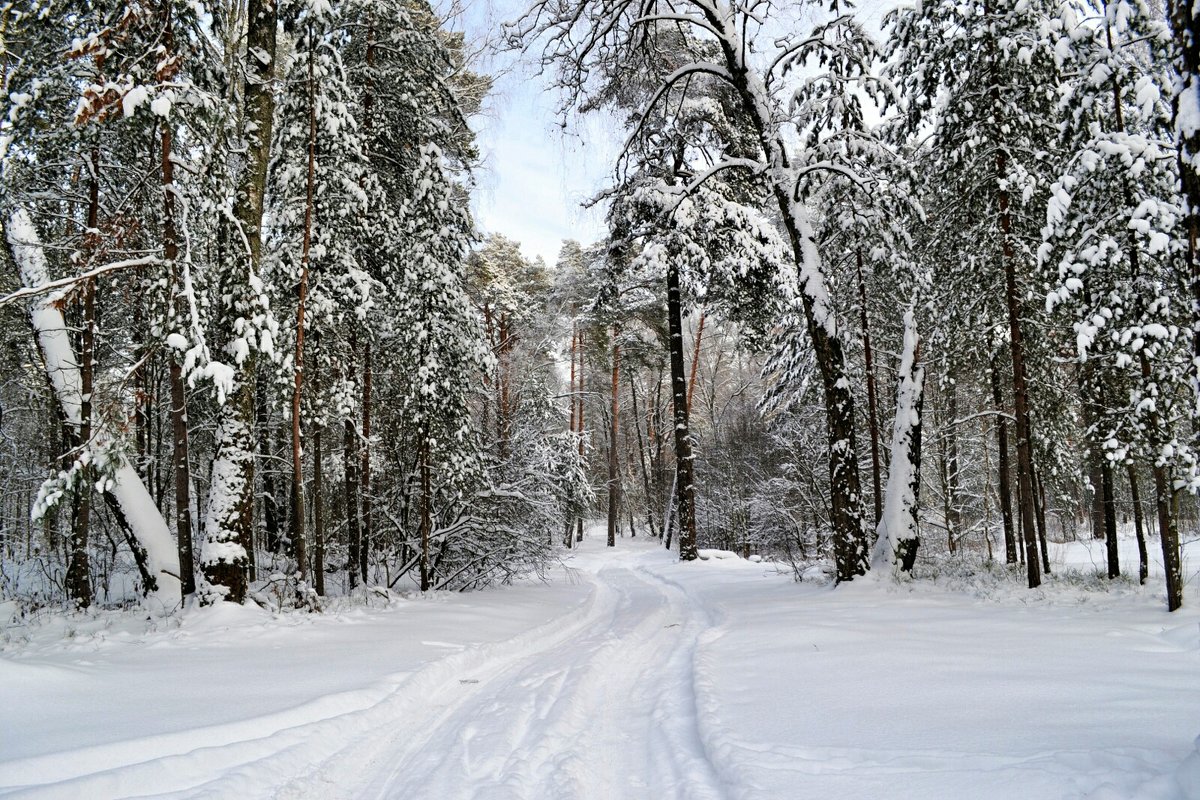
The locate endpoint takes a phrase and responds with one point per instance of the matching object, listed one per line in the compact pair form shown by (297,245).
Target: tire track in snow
(254,757)
(596,704)
(609,713)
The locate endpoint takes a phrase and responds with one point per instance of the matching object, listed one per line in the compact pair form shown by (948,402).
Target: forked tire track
(608,713)
(596,704)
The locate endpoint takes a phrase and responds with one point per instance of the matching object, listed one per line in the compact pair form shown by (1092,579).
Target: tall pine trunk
(569,534)
(846,513)
(641,445)
(683,441)
(614,478)
(179,429)
(350,488)
(1185,22)
(1139,524)
(1020,389)
(899,524)
(1003,467)
(318,482)
(365,461)
(872,400)
(299,543)
(582,433)
(426,500)
(228,530)
(78,577)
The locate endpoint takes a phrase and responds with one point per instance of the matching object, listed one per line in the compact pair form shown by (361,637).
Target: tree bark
(228,529)
(1185,22)
(179,429)
(1110,519)
(426,577)
(1020,389)
(1039,507)
(78,577)
(351,494)
(641,445)
(1169,536)
(569,533)
(1003,468)
(872,400)
(318,489)
(695,360)
(365,471)
(614,479)
(1139,524)
(683,442)
(582,432)
(298,534)
(154,551)
(846,514)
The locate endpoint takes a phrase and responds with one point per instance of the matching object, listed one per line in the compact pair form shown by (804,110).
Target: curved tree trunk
(846,513)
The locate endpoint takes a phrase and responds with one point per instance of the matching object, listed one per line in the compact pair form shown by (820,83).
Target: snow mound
(718,555)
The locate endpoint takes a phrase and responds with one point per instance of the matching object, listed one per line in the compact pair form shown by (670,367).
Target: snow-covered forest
(896,301)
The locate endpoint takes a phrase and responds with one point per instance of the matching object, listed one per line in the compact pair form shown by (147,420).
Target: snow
(62,367)
(898,523)
(627,675)
(133,98)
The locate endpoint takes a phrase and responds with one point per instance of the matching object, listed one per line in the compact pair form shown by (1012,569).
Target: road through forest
(627,676)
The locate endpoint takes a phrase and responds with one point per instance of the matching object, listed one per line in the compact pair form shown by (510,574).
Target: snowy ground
(629,676)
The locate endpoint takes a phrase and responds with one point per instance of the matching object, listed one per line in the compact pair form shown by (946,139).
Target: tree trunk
(1039,507)
(270,503)
(569,534)
(78,578)
(365,448)
(504,412)
(641,445)
(1164,497)
(614,479)
(426,577)
(1139,524)
(1006,515)
(582,433)
(695,361)
(899,525)
(179,429)
(318,515)
(683,441)
(1020,390)
(1096,479)
(149,538)
(298,534)
(872,401)
(849,530)
(952,498)
(1110,519)
(230,518)
(351,488)
(1185,23)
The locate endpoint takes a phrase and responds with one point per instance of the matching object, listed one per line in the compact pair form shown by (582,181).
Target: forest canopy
(873,297)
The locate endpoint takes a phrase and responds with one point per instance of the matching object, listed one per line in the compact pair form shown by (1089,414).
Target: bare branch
(63,283)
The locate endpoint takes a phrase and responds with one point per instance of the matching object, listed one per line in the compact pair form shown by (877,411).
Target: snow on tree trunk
(134,505)
(228,528)
(898,527)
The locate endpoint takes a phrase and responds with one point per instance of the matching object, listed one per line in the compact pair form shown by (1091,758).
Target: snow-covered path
(608,712)
(629,676)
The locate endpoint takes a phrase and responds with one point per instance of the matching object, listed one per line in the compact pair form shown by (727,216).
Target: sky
(535,174)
